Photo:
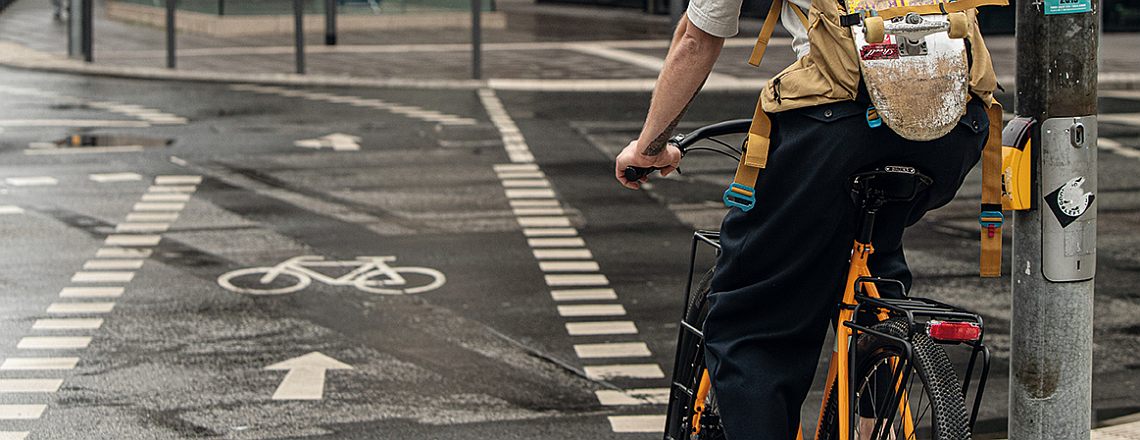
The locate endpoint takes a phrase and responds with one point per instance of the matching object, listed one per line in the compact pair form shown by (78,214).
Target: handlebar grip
(634,174)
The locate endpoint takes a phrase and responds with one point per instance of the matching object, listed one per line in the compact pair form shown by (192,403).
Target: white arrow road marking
(336,141)
(306,377)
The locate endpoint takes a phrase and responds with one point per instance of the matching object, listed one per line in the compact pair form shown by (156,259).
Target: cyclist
(789,252)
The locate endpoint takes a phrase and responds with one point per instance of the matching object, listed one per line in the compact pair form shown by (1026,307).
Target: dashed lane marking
(529,193)
(143,206)
(11,209)
(19,412)
(548,232)
(132,240)
(91,292)
(114,177)
(80,308)
(1132,119)
(519,212)
(648,62)
(629,371)
(172,188)
(612,350)
(67,324)
(53,342)
(577,280)
(178,180)
(118,252)
(409,111)
(534,203)
(40,363)
(638,396)
(638,423)
(525,183)
(584,310)
(142,227)
(1117,148)
(30,386)
(543,222)
(165,197)
(555,242)
(103,277)
(31,181)
(568,266)
(112,264)
(143,217)
(583,294)
(13,435)
(521,175)
(562,254)
(601,328)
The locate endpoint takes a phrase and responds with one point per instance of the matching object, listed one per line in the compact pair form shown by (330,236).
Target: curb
(20,57)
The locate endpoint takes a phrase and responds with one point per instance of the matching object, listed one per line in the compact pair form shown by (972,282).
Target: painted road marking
(639,396)
(335,141)
(612,350)
(555,242)
(601,328)
(521,175)
(400,109)
(152,217)
(653,423)
(31,181)
(526,183)
(13,435)
(583,294)
(117,252)
(305,379)
(539,211)
(537,203)
(549,232)
(84,150)
(543,222)
(568,266)
(40,363)
(103,277)
(583,310)
(529,194)
(576,280)
(53,342)
(73,123)
(19,412)
(91,292)
(177,180)
(67,324)
(11,209)
(114,177)
(165,197)
(30,386)
(1118,148)
(562,254)
(112,264)
(80,308)
(630,371)
(172,188)
(142,227)
(142,206)
(133,240)
(513,142)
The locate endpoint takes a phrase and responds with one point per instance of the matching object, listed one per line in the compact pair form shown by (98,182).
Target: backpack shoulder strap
(765,33)
(991,217)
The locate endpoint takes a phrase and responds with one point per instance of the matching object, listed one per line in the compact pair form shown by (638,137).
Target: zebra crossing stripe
(650,423)
(630,371)
(612,350)
(41,363)
(30,386)
(601,328)
(577,311)
(640,396)
(53,342)
(21,412)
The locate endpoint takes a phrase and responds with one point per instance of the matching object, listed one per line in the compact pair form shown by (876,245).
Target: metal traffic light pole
(1054,243)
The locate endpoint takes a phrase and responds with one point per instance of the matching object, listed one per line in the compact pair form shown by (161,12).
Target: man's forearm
(691,57)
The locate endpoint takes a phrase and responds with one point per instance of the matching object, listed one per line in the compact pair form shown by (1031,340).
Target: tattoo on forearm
(657,145)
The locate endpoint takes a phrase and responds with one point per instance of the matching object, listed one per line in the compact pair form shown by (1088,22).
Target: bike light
(953,331)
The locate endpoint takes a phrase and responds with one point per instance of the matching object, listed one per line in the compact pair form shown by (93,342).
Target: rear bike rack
(689,335)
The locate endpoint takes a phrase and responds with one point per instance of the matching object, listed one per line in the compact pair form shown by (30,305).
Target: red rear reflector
(953,331)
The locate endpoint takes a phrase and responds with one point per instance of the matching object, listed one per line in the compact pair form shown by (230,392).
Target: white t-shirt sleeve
(791,21)
(719,18)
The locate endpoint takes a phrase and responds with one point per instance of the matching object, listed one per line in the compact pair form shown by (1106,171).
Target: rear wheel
(688,373)
(933,390)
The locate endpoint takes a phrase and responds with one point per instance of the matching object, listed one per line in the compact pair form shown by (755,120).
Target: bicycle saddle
(888,184)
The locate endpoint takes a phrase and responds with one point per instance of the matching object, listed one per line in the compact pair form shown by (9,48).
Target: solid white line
(612,350)
(550,232)
(576,280)
(117,252)
(633,371)
(637,423)
(67,324)
(583,294)
(21,412)
(112,264)
(178,180)
(165,197)
(505,167)
(576,311)
(172,188)
(103,277)
(80,308)
(31,181)
(91,292)
(152,216)
(11,209)
(637,396)
(54,342)
(543,222)
(133,240)
(142,227)
(601,328)
(530,194)
(159,206)
(40,363)
(114,177)
(562,254)
(555,242)
(30,386)
(521,175)
(568,266)
(539,211)
(526,183)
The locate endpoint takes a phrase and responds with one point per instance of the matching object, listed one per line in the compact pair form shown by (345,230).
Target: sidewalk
(542,48)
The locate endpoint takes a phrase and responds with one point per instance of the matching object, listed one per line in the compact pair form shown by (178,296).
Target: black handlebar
(684,141)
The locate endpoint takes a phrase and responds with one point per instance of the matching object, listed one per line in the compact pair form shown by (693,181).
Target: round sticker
(1072,200)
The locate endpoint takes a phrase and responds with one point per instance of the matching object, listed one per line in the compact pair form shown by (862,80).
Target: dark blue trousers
(781,273)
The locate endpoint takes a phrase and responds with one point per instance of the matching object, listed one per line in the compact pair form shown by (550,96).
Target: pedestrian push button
(740,196)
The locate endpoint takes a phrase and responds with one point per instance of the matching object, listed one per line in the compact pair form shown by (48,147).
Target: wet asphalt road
(485,355)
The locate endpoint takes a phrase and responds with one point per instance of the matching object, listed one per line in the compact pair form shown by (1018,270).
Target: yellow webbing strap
(991,217)
(765,33)
(800,13)
(938,8)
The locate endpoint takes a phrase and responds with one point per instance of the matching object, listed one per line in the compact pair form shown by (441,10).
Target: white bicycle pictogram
(370,274)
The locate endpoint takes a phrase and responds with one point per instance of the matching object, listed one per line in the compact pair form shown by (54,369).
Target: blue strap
(740,196)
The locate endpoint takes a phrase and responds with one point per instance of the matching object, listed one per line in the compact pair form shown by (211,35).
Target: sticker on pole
(1057,7)
(1070,201)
